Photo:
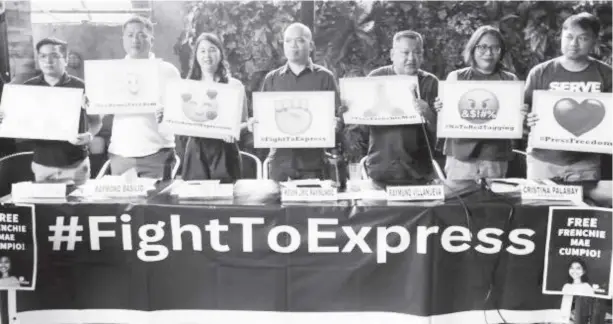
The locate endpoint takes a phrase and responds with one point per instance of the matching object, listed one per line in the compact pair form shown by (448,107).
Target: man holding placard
(299,74)
(59,160)
(137,140)
(400,154)
(574,71)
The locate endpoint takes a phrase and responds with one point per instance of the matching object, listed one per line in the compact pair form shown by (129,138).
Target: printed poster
(381,100)
(572,121)
(578,252)
(57,112)
(481,109)
(122,86)
(294,119)
(18,251)
(211,110)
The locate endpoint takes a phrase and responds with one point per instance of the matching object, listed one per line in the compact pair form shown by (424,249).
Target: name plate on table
(120,189)
(203,189)
(552,192)
(309,194)
(413,193)
(28,190)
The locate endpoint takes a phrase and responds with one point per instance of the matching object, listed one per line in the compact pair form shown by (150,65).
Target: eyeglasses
(482,49)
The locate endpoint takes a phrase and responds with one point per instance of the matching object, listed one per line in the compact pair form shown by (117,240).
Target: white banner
(572,121)
(294,119)
(381,100)
(199,109)
(481,109)
(122,86)
(40,112)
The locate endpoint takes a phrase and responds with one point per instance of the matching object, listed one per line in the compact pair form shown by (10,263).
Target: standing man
(136,139)
(574,71)
(400,154)
(300,74)
(58,160)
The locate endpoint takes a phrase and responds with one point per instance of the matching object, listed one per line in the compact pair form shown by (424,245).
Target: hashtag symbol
(65,233)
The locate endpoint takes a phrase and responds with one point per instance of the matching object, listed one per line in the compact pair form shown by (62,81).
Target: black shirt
(60,153)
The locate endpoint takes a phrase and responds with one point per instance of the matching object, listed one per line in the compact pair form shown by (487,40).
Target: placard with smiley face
(294,119)
(572,121)
(122,86)
(481,109)
(210,110)
(381,100)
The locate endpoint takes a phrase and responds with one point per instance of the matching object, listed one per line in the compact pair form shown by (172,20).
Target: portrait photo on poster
(572,121)
(18,250)
(477,109)
(578,252)
(381,100)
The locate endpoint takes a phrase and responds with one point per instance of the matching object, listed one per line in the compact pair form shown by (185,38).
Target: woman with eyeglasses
(209,158)
(480,158)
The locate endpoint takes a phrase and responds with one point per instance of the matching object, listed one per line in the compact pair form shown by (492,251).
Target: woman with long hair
(578,281)
(7,281)
(480,158)
(208,158)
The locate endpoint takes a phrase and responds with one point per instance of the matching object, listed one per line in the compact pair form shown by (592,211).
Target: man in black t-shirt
(58,160)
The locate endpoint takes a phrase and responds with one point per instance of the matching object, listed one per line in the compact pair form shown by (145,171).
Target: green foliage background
(354,37)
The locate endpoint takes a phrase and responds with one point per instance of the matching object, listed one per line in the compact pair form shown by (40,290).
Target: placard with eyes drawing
(195,108)
(294,119)
(572,121)
(481,109)
(122,86)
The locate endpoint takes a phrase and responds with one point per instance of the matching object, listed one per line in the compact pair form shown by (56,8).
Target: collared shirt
(139,135)
(398,154)
(60,153)
(313,78)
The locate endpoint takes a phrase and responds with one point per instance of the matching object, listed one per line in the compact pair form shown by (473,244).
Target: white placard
(552,192)
(309,194)
(122,86)
(572,121)
(481,109)
(381,100)
(199,109)
(294,119)
(413,193)
(40,112)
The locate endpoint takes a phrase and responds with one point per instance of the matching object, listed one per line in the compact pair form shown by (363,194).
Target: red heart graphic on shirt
(578,118)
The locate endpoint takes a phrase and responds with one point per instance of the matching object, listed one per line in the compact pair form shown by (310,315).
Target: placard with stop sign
(481,109)
(572,121)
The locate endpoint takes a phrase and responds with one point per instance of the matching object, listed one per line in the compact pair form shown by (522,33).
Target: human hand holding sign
(438,104)
(82,139)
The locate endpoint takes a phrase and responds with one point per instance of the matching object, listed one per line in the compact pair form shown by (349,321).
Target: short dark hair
(53,41)
(135,19)
(469,50)
(410,34)
(585,21)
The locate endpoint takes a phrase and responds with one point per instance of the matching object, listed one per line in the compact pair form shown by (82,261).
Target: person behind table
(578,281)
(60,160)
(469,158)
(573,71)
(137,141)
(7,281)
(399,154)
(208,158)
(299,74)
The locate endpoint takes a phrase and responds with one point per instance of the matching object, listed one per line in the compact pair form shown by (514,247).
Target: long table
(443,275)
